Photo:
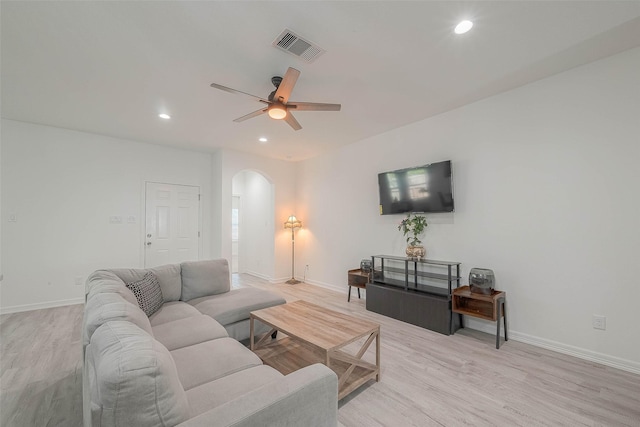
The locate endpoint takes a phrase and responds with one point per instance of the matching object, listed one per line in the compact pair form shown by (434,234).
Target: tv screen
(425,188)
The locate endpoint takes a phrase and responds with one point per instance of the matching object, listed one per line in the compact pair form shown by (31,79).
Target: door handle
(148,243)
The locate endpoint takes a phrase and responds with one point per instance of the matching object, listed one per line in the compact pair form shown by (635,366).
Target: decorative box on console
(481,281)
(365,265)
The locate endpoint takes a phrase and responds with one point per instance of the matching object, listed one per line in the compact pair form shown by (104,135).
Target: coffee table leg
(378,355)
(251,338)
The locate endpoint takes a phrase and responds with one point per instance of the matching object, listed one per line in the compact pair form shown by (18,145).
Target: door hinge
(199,195)
(198,234)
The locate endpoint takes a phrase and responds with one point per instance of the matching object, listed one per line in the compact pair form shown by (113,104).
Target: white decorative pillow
(148,293)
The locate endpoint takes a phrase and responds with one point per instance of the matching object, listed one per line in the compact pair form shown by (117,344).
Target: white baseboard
(40,305)
(580,353)
(267,278)
(341,289)
(284,279)
(259,275)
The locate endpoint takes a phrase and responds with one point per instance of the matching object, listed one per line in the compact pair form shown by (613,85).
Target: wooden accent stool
(358,279)
(488,307)
(317,335)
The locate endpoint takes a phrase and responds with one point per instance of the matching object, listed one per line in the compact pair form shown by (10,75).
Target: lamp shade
(293,222)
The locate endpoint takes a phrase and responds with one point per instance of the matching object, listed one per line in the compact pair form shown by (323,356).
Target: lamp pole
(293,280)
(293,223)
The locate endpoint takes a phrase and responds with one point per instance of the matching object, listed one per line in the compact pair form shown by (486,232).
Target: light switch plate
(599,322)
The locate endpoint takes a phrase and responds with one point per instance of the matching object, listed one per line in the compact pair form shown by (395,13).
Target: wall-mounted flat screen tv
(427,188)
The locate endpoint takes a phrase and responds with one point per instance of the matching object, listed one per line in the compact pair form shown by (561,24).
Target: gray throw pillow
(148,293)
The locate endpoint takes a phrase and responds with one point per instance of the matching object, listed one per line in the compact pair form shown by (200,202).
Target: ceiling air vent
(295,45)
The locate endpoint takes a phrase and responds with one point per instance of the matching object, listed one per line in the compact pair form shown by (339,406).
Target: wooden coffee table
(316,334)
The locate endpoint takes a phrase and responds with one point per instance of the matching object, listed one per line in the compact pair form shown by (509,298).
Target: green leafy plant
(412,227)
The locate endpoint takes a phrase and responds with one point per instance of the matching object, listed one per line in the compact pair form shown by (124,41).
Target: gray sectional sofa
(183,364)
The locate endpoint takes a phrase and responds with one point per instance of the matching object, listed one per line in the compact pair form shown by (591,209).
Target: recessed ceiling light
(164,116)
(263,139)
(463,27)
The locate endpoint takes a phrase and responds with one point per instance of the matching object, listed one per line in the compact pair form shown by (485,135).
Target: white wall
(1,217)
(63,186)
(256,231)
(546,189)
(281,175)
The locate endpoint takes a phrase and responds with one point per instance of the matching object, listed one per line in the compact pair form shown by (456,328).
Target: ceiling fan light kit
(277,111)
(278,104)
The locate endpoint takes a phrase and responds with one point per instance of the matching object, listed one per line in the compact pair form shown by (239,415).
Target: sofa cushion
(202,278)
(136,378)
(171,311)
(306,397)
(105,281)
(105,307)
(188,331)
(242,330)
(210,360)
(148,293)
(236,304)
(215,393)
(168,276)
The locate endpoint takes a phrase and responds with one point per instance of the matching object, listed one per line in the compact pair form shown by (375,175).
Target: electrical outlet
(114,219)
(599,322)
(79,280)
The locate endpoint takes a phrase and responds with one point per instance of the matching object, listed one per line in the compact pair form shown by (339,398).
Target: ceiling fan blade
(286,86)
(292,121)
(228,89)
(313,106)
(250,115)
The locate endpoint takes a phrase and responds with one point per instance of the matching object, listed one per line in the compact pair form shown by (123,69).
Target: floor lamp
(293,223)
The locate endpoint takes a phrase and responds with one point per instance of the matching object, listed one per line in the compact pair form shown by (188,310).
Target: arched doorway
(252,232)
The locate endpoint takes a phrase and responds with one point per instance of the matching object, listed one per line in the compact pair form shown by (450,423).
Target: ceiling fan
(277,103)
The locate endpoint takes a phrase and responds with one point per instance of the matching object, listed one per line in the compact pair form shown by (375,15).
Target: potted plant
(412,227)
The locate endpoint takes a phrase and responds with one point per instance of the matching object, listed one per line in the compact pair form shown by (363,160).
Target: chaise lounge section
(183,364)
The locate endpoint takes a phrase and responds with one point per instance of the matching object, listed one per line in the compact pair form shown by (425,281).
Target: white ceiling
(111,67)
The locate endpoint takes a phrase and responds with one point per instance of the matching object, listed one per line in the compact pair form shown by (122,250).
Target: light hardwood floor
(427,379)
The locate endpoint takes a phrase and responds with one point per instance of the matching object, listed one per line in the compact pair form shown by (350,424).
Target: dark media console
(416,292)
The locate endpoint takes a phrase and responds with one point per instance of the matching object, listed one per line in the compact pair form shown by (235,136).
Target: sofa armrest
(307,397)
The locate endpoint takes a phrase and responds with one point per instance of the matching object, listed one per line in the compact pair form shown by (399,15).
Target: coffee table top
(321,327)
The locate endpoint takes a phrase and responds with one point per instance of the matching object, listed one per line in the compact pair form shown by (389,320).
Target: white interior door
(172,223)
